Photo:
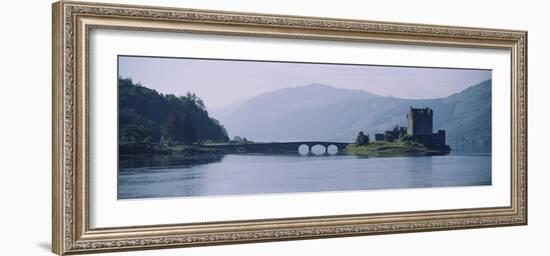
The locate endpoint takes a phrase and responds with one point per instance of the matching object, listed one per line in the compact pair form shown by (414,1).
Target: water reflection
(168,160)
(234,174)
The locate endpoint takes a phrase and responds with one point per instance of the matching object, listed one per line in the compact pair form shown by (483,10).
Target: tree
(148,140)
(362,139)
(200,103)
(134,133)
(174,126)
(193,98)
(190,96)
(189,132)
(169,142)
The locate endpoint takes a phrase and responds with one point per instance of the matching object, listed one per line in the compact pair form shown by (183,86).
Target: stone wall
(419,121)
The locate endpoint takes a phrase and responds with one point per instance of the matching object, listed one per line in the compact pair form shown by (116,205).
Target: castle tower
(420,121)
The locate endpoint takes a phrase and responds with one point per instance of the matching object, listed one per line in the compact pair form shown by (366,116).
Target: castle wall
(420,121)
(419,127)
(440,135)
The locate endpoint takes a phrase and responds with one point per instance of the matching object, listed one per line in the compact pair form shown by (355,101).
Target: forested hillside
(144,115)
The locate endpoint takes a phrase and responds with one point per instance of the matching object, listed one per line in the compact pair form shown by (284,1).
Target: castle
(419,128)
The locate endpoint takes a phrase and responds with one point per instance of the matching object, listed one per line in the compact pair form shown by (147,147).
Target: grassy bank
(396,148)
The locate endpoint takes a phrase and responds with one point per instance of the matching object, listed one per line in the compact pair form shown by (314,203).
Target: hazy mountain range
(323,112)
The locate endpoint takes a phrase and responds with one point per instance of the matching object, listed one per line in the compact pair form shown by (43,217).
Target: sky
(221,82)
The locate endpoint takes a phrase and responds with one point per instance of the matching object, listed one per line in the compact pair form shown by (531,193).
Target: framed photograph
(179,127)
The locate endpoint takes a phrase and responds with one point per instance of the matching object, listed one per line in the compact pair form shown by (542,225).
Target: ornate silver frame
(72,22)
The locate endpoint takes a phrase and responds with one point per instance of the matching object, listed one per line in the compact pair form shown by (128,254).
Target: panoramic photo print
(192,127)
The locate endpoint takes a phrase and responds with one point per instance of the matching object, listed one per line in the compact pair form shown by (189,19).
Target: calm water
(257,174)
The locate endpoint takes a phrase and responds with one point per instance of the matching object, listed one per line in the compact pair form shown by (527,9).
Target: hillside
(145,115)
(321,112)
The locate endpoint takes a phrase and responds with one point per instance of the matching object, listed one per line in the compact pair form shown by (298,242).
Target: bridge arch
(318,149)
(332,149)
(304,149)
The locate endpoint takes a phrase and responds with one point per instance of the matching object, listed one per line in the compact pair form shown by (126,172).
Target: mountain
(144,115)
(222,111)
(263,109)
(322,112)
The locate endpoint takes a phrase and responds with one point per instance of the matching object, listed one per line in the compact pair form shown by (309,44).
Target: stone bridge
(302,147)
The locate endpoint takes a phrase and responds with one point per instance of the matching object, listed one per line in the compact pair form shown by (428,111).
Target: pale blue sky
(220,82)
